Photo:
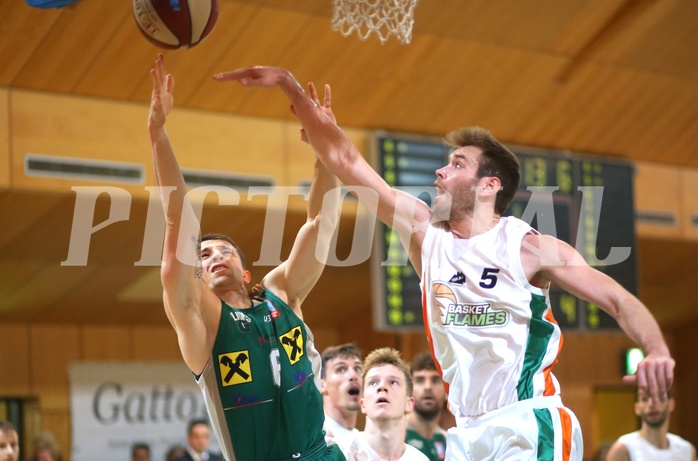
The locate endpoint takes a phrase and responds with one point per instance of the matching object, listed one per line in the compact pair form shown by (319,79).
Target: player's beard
(455,206)
(427,414)
(658,422)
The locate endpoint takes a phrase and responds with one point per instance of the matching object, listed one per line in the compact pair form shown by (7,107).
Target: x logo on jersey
(292,343)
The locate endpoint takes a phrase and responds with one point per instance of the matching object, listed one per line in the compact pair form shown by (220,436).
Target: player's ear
(410,405)
(492,185)
(363,406)
(246,276)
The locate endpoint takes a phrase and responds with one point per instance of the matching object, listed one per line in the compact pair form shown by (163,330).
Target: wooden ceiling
(611,77)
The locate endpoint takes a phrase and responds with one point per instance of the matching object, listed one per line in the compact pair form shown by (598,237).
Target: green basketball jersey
(262,384)
(434,449)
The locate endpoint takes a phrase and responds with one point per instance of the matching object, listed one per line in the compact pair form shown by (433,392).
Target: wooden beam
(626,12)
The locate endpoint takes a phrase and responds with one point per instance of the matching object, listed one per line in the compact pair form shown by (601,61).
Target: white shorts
(539,429)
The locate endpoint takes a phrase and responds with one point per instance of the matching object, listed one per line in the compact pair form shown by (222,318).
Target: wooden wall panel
(689,203)
(325,337)
(658,189)
(4,138)
(53,348)
(77,128)
(227,144)
(106,343)
(104,130)
(685,418)
(155,343)
(613,414)
(14,359)
(592,358)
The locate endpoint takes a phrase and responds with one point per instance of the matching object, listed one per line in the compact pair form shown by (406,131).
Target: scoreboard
(583,200)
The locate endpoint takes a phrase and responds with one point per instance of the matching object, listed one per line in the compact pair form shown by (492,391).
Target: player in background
(341,388)
(653,441)
(423,430)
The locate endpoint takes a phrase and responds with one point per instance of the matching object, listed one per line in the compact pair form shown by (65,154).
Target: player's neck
(343,417)
(472,225)
(656,436)
(238,298)
(424,427)
(386,437)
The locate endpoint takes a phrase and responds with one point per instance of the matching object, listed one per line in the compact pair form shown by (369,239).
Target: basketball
(175,24)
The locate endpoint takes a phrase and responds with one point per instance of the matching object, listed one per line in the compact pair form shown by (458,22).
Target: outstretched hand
(261,76)
(313,116)
(326,105)
(162,97)
(655,374)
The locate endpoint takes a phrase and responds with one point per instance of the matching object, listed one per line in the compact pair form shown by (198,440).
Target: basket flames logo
(458,314)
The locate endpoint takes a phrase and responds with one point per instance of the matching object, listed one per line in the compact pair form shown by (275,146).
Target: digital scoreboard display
(582,200)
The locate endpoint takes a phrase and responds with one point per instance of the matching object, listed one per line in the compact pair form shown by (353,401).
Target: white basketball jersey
(642,450)
(356,448)
(491,331)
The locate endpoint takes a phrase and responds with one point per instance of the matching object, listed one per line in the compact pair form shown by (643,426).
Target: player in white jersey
(653,441)
(492,371)
(387,399)
(341,389)
(496,341)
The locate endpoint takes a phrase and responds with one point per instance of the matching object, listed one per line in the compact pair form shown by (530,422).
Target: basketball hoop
(384,17)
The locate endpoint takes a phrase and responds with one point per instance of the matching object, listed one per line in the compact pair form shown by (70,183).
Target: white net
(384,17)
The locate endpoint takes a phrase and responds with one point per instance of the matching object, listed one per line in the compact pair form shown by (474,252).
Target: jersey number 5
(489,277)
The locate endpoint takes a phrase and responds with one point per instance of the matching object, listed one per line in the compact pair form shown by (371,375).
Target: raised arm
(188,302)
(296,276)
(563,265)
(403,212)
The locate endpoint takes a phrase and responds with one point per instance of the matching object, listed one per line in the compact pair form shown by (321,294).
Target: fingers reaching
(654,375)
(162,98)
(328,96)
(327,99)
(326,105)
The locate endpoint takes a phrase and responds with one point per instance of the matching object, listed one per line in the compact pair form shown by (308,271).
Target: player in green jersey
(253,356)
(423,430)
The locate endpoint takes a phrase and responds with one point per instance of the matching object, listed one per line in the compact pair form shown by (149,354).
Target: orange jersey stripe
(427,328)
(547,373)
(566,423)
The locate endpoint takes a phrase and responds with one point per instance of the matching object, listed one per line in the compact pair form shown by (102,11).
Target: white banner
(114,405)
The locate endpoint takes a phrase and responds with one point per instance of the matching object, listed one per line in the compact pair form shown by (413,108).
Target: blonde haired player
(386,401)
(497,342)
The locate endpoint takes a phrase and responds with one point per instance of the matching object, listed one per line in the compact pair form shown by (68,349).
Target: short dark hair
(342,350)
(197,422)
(388,356)
(139,446)
(229,240)
(6,427)
(496,161)
(422,361)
